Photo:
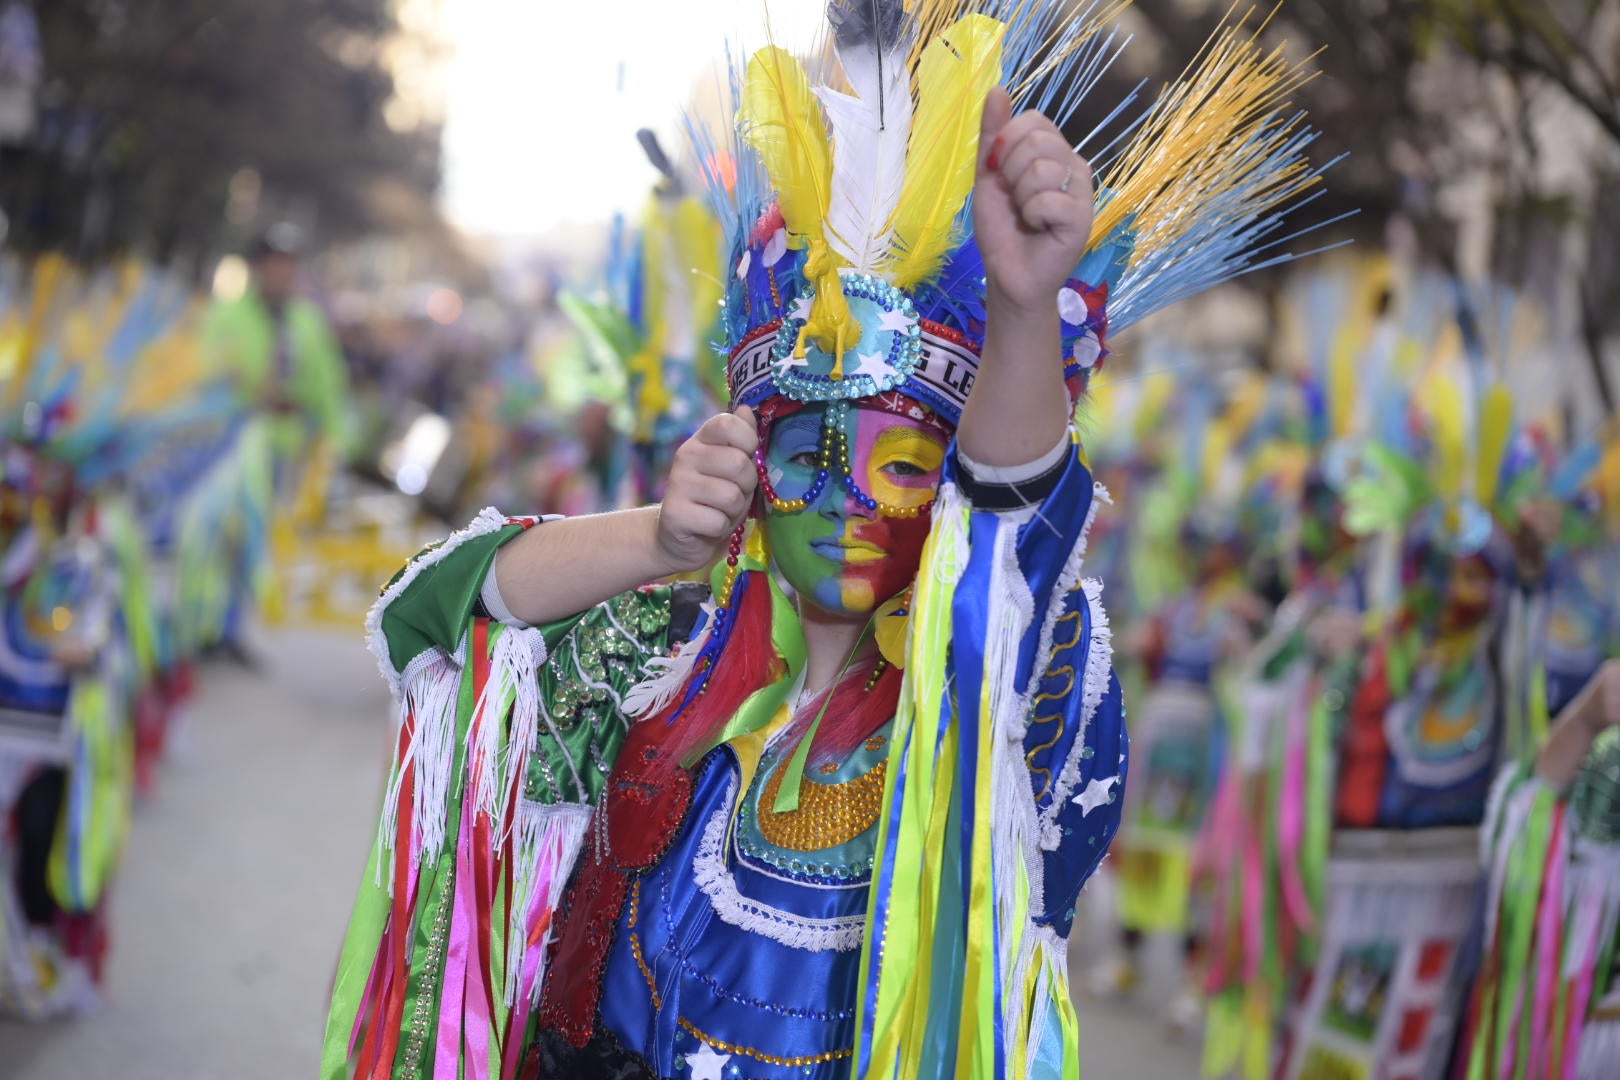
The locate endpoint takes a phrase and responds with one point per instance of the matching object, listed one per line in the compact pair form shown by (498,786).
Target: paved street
(238,879)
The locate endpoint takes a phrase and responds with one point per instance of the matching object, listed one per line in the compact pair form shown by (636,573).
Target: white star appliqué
(1097,793)
(875,364)
(706,1064)
(897,321)
(802,308)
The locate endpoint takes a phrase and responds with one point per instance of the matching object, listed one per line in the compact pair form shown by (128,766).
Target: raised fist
(711,486)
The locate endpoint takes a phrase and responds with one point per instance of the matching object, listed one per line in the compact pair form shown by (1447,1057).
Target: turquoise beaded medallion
(886,356)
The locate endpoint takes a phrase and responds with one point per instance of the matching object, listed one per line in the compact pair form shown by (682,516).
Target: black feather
(655,154)
(855,22)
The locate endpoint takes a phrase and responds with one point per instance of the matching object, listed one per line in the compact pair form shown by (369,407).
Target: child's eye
(806,458)
(904,468)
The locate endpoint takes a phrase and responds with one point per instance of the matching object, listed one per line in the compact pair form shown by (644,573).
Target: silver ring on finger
(1068,178)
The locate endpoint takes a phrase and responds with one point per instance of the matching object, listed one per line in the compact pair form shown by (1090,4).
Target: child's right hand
(711,487)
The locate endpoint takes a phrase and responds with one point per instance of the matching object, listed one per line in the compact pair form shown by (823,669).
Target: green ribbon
(787,636)
(787,796)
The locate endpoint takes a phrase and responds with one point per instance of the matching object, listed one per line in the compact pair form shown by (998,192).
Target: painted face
(1468,593)
(838,553)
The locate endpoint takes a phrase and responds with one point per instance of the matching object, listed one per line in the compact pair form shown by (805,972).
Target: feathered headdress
(853,268)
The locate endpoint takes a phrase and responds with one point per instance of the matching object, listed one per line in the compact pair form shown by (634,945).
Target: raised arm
(565,567)
(1032,206)
(1595,708)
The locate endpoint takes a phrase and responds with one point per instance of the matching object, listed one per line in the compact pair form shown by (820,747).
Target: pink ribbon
(1216,851)
(463,927)
(1549,938)
(1581,994)
(1291,815)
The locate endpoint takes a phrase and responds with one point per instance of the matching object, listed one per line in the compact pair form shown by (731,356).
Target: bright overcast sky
(546,97)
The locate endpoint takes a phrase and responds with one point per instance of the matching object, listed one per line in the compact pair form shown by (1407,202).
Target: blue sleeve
(1073,738)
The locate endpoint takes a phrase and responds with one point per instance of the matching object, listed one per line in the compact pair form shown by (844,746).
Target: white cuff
(1016,474)
(495,603)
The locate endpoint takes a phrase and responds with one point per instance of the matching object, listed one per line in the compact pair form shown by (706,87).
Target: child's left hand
(1032,206)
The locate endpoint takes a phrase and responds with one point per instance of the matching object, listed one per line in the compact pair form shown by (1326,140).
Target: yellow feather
(1495,425)
(958,68)
(781,119)
(1448,428)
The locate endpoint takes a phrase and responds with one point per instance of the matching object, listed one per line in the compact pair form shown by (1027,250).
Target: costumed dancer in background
(1265,850)
(1548,999)
(1182,645)
(82,711)
(1545,1000)
(1420,726)
(656,329)
(759,827)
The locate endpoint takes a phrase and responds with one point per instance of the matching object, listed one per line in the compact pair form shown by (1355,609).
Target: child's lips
(848,551)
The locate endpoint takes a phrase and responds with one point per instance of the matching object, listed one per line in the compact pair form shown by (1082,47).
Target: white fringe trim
(1099,667)
(795,931)
(498,752)
(1015,860)
(550,834)
(667,675)
(429,698)
(1050,960)
(488,521)
(1066,583)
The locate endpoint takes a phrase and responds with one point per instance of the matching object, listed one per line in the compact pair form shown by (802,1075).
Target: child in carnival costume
(840,830)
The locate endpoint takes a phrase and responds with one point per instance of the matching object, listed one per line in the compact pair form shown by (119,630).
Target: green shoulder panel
(435,605)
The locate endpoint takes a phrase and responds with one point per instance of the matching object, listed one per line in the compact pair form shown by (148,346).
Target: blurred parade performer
(655,331)
(89,673)
(1547,1003)
(278,351)
(845,832)
(1182,646)
(1545,999)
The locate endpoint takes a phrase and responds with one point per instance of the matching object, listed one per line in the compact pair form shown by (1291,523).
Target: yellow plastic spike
(1342,371)
(1495,426)
(1209,133)
(1247,401)
(1157,387)
(1607,481)
(959,66)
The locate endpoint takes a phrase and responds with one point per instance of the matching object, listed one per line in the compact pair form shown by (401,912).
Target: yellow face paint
(902,467)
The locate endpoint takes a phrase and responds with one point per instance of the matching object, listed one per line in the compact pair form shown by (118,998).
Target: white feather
(666,675)
(869,149)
